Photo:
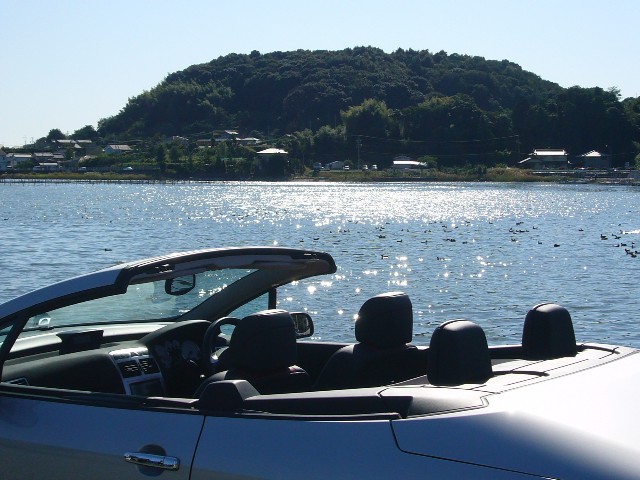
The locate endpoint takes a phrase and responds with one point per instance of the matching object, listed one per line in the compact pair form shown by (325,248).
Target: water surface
(483,252)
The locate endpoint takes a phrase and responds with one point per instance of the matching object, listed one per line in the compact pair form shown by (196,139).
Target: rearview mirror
(180,285)
(303,324)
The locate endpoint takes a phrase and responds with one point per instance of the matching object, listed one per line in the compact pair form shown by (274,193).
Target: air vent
(129,368)
(18,381)
(148,366)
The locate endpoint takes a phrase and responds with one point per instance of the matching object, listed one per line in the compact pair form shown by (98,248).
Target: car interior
(266,366)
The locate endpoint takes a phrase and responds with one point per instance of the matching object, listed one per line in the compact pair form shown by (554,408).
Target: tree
(55,134)
(451,126)
(414,101)
(329,143)
(299,145)
(87,132)
(175,153)
(161,158)
(371,118)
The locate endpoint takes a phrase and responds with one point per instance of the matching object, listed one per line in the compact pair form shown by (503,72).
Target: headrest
(548,333)
(264,341)
(458,353)
(385,321)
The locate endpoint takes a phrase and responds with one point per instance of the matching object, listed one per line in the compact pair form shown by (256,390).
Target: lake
(485,252)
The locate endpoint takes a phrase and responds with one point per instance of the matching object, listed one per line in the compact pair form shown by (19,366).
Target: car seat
(383,354)
(548,333)
(263,351)
(458,354)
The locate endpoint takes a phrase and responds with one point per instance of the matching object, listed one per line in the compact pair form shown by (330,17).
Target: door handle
(154,461)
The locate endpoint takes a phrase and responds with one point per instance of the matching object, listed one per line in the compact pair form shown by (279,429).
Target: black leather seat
(383,355)
(458,354)
(263,351)
(548,333)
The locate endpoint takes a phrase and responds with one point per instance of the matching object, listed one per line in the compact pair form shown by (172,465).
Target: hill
(363,101)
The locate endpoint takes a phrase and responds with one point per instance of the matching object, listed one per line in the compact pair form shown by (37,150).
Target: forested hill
(454,106)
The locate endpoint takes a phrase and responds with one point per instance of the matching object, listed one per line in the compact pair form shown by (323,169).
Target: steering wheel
(209,356)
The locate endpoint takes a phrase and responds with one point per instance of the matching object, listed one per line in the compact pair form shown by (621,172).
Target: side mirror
(180,285)
(303,324)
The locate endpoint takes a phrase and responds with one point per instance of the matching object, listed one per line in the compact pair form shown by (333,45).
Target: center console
(139,371)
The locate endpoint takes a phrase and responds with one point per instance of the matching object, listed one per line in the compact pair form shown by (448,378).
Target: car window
(141,302)
(4,332)
(255,305)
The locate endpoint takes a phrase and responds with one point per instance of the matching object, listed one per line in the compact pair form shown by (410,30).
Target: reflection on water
(484,252)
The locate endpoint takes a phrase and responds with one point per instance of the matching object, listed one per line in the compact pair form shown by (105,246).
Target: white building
(547,158)
(273,151)
(263,162)
(408,165)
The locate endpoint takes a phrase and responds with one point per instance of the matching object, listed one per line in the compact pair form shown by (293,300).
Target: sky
(69,63)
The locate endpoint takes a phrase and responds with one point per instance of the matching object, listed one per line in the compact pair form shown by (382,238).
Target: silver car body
(70,408)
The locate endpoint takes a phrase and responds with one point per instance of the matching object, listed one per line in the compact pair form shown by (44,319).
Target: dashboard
(163,362)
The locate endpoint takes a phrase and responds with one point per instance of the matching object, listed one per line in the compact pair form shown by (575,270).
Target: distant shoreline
(499,175)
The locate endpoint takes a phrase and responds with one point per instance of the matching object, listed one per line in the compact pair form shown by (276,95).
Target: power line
(494,139)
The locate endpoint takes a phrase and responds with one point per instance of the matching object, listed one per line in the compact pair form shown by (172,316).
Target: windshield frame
(274,266)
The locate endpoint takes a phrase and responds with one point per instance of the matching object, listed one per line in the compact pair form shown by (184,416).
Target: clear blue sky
(68,63)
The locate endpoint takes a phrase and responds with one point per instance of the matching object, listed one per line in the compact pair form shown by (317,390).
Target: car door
(291,449)
(51,438)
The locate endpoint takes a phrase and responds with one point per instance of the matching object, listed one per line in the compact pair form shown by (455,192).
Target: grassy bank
(430,175)
(495,174)
(80,177)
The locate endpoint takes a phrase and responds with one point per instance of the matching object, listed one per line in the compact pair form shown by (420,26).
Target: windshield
(141,302)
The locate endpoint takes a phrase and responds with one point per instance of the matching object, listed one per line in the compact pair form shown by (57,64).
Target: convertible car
(186,366)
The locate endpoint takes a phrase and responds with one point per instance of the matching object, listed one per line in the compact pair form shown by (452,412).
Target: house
(595,160)
(547,159)
(402,162)
(264,160)
(272,151)
(408,165)
(64,143)
(225,135)
(3,161)
(87,147)
(205,143)
(14,159)
(249,141)
(64,146)
(42,157)
(177,139)
(117,149)
(47,167)
(79,147)
(264,156)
